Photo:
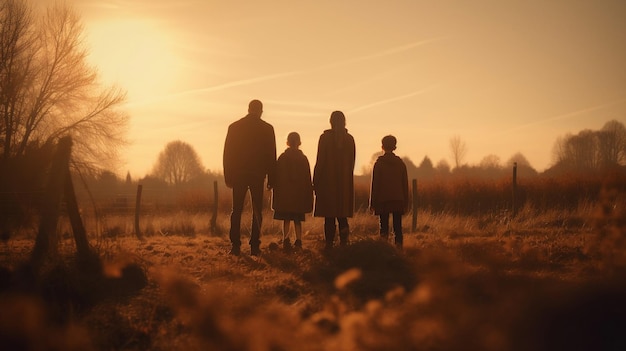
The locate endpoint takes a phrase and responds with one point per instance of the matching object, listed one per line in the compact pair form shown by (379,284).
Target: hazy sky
(505,76)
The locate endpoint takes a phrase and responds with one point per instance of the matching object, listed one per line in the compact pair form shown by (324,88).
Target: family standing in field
(250,158)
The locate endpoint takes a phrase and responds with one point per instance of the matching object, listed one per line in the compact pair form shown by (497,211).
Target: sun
(134,54)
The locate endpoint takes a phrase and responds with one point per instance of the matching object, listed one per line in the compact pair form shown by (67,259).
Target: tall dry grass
(467,279)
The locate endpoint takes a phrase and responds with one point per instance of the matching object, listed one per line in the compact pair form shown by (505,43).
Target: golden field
(542,280)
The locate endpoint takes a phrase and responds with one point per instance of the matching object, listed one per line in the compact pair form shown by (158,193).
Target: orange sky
(506,76)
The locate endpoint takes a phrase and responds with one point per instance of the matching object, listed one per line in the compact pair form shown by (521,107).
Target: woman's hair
(337,120)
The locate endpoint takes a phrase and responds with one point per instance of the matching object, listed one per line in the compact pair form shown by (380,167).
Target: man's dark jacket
(249,151)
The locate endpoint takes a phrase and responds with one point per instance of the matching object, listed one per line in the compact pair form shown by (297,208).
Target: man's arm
(227,158)
(271,170)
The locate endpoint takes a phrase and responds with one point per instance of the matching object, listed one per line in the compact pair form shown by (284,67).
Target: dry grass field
(543,281)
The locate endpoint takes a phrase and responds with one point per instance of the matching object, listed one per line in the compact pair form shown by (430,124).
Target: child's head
(389,143)
(293,139)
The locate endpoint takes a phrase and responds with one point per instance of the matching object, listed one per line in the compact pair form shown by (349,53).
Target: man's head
(389,143)
(337,120)
(255,108)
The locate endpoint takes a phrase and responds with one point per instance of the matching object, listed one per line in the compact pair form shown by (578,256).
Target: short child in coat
(390,190)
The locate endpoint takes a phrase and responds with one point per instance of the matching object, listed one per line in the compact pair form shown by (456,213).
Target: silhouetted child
(390,190)
(293,191)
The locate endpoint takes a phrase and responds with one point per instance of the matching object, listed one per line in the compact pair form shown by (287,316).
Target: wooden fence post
(214,216)
(46,239)
(78,228)
(137,211)
(514,207)
(414,207)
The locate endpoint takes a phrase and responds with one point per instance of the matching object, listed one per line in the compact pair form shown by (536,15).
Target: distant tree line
(591,150)
(573,153)
(178,179)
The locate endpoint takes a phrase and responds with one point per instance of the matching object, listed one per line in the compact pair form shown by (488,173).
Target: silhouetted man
(249,156)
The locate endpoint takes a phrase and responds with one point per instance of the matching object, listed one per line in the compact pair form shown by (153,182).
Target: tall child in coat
(293,190)
(390,190)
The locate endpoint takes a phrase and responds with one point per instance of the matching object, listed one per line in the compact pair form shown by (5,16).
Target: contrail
(133,5)
(567,115)
(393,99)
(383,53)
(213,88)
(387,52)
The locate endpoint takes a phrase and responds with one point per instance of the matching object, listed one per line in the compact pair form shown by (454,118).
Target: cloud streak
(260,79)
(568,115)
(380,54)
(140,5)
(393,99)
(211,89)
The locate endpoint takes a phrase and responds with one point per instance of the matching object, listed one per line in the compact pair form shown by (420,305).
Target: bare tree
(426,164)
(443,167)
(612,143)
(520,159)
(426,169)
(578,151)
(592,149)
(458,149)
(584,148)
(523,165)
(559,150)
(178,163)
(49,91)
(491,161)
(17,50)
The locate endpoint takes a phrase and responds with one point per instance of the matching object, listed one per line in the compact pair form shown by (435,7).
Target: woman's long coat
(293,191)
(333,176)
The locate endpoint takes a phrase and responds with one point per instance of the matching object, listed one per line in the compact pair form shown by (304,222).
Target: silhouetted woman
(333,179)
